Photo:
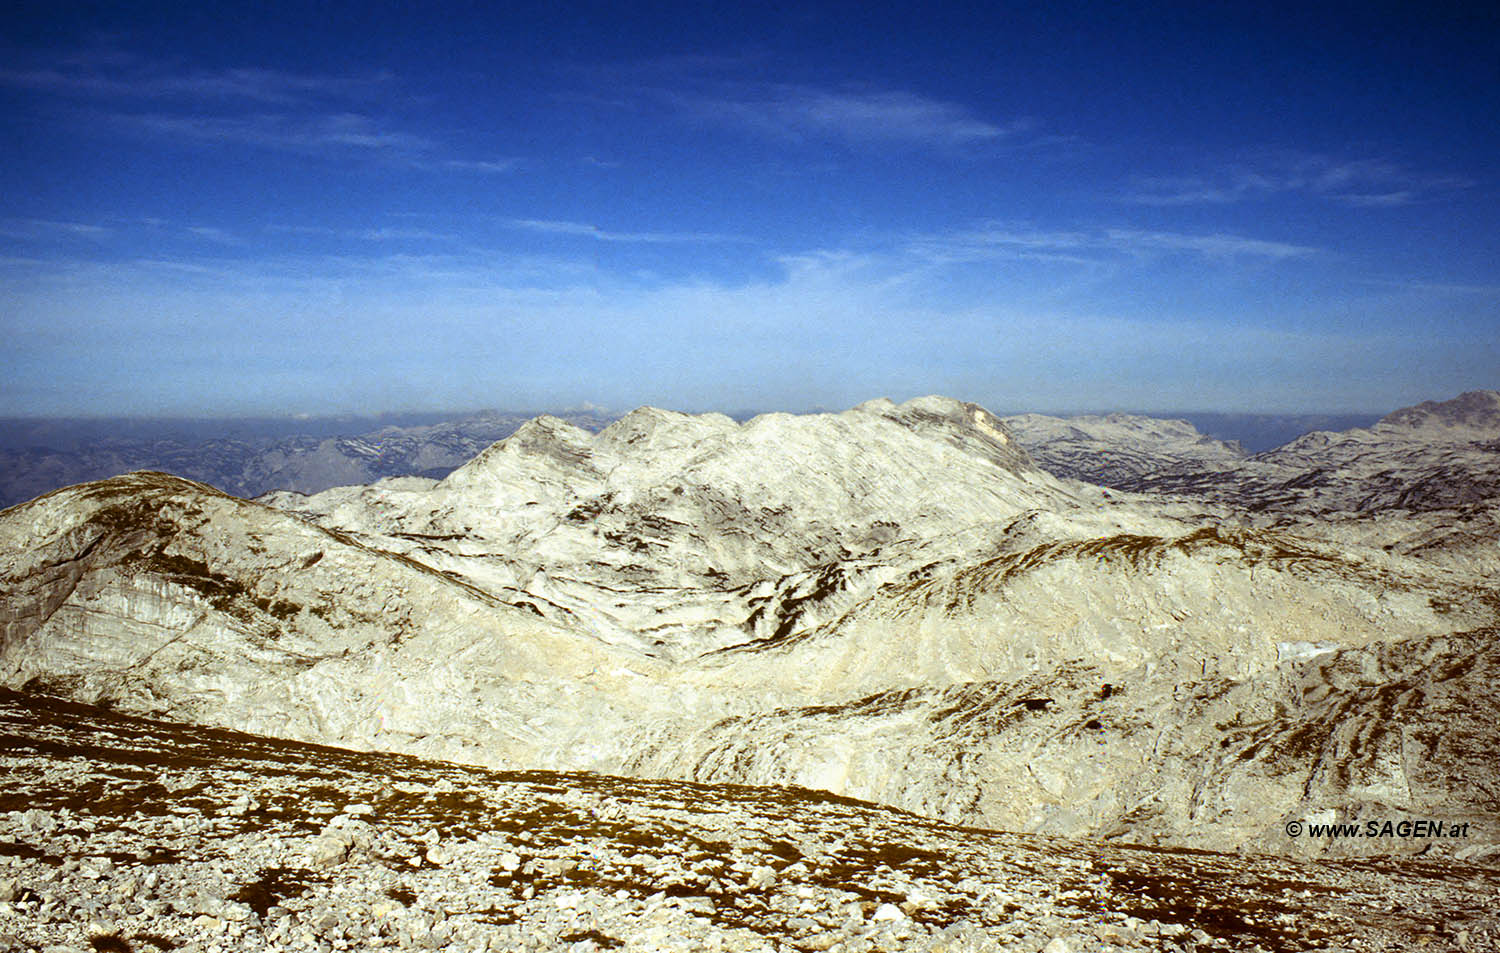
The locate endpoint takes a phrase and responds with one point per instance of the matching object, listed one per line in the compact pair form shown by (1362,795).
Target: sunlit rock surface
(895,603)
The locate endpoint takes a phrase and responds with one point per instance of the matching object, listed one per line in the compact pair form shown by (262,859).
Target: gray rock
(327,851)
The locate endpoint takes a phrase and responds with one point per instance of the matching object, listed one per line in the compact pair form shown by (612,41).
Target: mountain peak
(965,425)
(1477,410)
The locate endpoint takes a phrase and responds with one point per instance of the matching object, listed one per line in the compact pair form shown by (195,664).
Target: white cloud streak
(382,327)
(211,234)
(374,234)
(999,240)
(1213,246)
(492,166)
(339,132)
(398,235)
(1360,183)
(133,78)
(584,230)
(307,113)
(858,116)
(36,228)
(729,92)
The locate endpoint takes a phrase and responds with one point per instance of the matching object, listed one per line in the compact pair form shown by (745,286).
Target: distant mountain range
(1436,455)
(251,456)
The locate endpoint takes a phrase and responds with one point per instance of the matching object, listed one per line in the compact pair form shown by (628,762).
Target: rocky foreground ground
(120,833)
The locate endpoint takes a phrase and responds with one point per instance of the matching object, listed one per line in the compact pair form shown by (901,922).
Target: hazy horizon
(441,415)
(1256,432)
(272,209)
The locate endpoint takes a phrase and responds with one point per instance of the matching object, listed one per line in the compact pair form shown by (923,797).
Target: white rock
(887,911)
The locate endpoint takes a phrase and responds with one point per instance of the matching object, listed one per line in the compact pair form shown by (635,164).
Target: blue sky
(216,209)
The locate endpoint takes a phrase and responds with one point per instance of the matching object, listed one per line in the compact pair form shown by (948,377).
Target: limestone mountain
(1118,450)
(894,603)
(1473,416)
(1435,456)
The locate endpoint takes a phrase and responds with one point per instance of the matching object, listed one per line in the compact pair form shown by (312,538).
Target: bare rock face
(155,594)
(1119,450)
(893,603)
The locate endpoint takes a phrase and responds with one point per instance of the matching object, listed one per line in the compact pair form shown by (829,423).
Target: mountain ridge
(893,603)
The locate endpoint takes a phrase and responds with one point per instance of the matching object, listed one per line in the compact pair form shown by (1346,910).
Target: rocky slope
(123,834)
(1119,450)
(1435,456)
(894,603)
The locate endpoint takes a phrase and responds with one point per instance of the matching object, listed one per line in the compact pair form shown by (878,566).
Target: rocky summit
(919,611)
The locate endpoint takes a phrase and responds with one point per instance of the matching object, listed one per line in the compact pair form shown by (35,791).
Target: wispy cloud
(208,233)
(479,319)
(1364,183)
(860,116)
(398,235)
(730,91)
(120,229)
(593,231)
(335,115)
(36,228)
(376,234)
(136,78)
(1002,240)
(493,166)
(341,132)
(1439,287)
(176,265)
(1213,246)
